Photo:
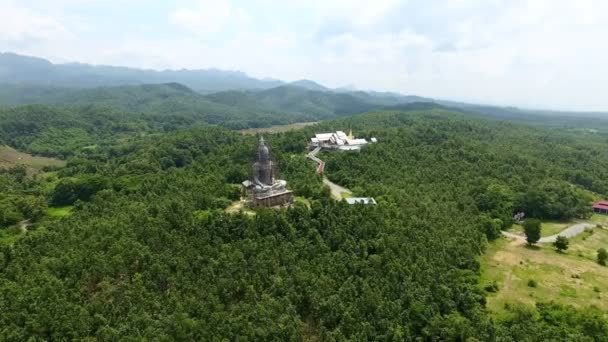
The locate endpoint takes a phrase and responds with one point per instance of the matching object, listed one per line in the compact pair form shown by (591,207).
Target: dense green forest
(235,109)
(501,167)
(149,252)
(155,100)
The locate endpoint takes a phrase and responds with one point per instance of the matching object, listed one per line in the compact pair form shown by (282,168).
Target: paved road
(569,232)
(313,155)
(336,190)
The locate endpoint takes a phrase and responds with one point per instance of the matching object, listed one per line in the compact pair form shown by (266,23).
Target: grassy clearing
(59,212)
(586,244)
(239,206)
(571,278)
(10,157)
(303,200)
(599,219)
(547,227)
(277,128)
(346,194)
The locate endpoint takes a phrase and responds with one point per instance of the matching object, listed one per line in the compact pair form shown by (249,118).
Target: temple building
(339,141)
(263,189)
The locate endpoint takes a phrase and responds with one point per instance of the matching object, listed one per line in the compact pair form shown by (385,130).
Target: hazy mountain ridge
(310,85)
(229,94)
(17,69)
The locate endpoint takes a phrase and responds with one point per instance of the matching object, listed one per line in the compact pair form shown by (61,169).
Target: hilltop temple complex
(263,189)
(339,141)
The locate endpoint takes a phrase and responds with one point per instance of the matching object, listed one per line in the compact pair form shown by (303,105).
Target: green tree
(491,227)
(602,256)
(532,230)
(561,243)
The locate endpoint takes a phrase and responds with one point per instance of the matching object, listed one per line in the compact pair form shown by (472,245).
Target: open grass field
(277,128)
(10,157)
(547,227)
(553,227)
(573,277)
(59,212)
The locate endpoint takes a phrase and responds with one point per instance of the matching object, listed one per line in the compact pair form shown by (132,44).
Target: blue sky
(534,53)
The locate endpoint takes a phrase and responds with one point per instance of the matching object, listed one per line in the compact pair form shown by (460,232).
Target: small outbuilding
(601,207)
(360,200)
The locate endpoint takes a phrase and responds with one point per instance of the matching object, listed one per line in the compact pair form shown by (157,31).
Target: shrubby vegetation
(561,243)
(20,197)
(149,252)
(532,229)
(552,322)
(602,256)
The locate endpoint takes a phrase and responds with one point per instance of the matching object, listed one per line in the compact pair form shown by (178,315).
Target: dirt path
(569,232)
(24,225)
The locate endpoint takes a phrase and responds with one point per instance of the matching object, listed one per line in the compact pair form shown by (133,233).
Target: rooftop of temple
(339,140)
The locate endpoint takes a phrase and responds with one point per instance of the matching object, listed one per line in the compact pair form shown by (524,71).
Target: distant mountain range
(214,96)
(37,71)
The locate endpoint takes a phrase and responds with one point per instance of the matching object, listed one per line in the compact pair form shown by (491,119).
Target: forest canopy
(149,252)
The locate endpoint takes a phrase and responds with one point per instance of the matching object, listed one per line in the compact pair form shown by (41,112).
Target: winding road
(336,190)
(569,232)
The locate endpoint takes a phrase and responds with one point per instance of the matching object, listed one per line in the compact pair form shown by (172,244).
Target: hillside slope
(233,108)
(170,99)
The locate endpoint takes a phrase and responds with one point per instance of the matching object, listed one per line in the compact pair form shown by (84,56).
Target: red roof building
(601,207)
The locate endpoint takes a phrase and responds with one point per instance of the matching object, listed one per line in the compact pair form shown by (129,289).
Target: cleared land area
(573,277)
(10,157)
(59,212)
(277,128)
(547,228)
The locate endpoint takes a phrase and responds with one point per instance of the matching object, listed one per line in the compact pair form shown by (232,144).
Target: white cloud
(22,27)
(540,53)
(208,17)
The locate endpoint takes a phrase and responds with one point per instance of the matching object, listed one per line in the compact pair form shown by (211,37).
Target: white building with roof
(360,200)
(339,140)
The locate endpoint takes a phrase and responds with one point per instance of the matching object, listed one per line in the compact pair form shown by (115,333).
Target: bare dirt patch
(10,157)
(277,128)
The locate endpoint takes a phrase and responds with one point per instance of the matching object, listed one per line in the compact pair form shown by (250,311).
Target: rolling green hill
(234,108)
(301,101)
(170,99)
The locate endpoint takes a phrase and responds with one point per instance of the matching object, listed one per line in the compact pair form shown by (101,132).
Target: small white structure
(362,200)
(339,140)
